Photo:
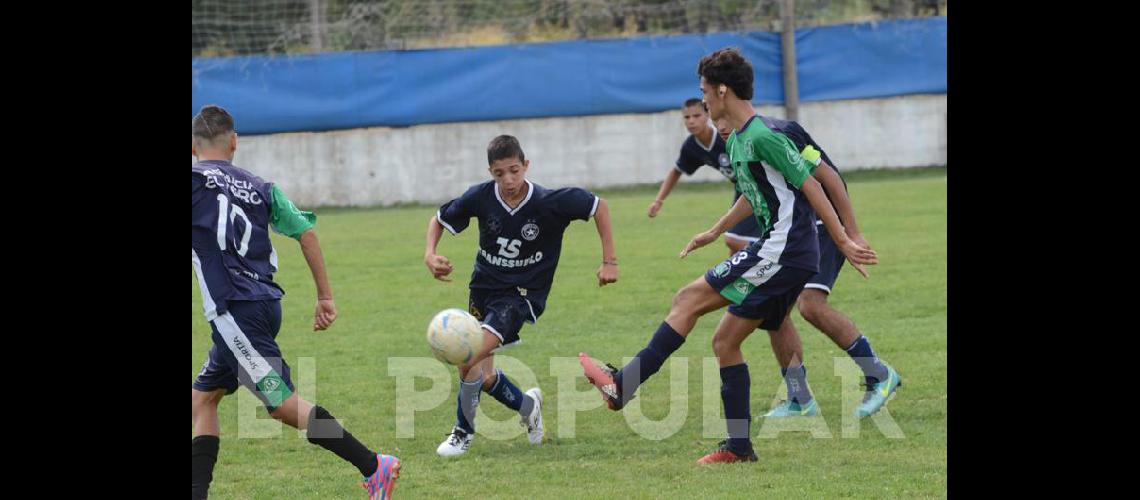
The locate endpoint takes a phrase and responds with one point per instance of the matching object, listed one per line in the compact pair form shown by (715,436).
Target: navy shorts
(758,288)
(830,263)
(503,312)
(746,230)
(245,352)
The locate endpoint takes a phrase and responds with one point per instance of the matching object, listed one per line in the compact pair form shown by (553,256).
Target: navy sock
(664,342)
(466,402)
(734,393)
(796,379)
(204,452)
(324,431)
(508,393)
(873,369)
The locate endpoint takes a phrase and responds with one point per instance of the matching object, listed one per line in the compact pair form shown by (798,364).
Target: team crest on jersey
(720,270)
(725,167)
(270,384)
(530,231)
(748,152)
(493,226)
(793,155)
(743,287)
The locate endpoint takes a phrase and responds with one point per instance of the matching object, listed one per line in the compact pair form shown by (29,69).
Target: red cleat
(603,379)
(723,455)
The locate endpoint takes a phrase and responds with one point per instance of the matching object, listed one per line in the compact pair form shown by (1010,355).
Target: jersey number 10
(234,212)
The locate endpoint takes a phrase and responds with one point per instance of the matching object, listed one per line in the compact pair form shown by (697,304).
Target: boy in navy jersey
(520,239)
(234,260)
(705,147)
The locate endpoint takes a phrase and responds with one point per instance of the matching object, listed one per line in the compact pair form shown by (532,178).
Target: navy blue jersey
(232,254)
(518,248)
(796,133)
(694,154)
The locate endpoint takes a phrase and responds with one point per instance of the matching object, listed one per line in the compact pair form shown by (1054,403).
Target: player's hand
(654,208)
(607,274)
(325,314)
(439,266)
(860,255)
(859,240)
(698,241)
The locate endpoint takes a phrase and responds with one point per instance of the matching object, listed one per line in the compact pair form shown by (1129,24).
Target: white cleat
(533,422)
(456,443)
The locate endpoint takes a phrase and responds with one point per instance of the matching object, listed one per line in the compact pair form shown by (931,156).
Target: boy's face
(695,118)
(509,175)
(723,128)
(714,101)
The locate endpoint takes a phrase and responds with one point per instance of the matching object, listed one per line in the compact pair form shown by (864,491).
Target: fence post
(788,53)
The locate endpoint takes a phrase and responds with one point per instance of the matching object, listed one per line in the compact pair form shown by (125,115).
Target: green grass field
(385,298)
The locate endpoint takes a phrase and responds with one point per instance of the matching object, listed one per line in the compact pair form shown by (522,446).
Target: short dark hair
(729,67)
(694,101)
(504,146)
(212,122)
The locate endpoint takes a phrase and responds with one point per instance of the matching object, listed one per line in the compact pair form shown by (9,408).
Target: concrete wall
(433,163)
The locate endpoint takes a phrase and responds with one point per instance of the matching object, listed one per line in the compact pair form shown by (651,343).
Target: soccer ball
(454,336)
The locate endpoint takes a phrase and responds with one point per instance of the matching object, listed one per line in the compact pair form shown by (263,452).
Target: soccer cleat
(381,482)
(456,443)
(878,394)
(533,422)
(723,455)
(787,408)
(603,379)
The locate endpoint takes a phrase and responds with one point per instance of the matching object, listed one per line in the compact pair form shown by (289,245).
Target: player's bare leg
(881,379)
(689,304)
(322,429)
(734,245)
(815,309)
(293,412)
(476,369)
(204,411)
(474,377)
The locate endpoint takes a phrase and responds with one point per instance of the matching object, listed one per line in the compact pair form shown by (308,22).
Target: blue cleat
(788,408)
(878,394)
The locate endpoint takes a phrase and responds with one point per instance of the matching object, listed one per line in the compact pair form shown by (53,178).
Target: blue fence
(628,75)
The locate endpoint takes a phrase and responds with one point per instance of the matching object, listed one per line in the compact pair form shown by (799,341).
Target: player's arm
(608,271)
(439,266)
(739,211)
(285,218)
(833,185)
(856,253)
(666,188)
(326,310)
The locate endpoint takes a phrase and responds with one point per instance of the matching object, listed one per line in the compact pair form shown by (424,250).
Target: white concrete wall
(433,163)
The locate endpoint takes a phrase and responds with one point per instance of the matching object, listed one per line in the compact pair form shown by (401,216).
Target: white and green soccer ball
(454,336)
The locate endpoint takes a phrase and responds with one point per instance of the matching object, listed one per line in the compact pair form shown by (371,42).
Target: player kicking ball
(232,213)
(520,239)
(760,284)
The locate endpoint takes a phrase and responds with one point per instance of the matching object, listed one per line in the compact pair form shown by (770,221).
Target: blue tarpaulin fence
(587,77)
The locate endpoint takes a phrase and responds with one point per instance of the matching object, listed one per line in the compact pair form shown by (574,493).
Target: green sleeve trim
(285,218)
